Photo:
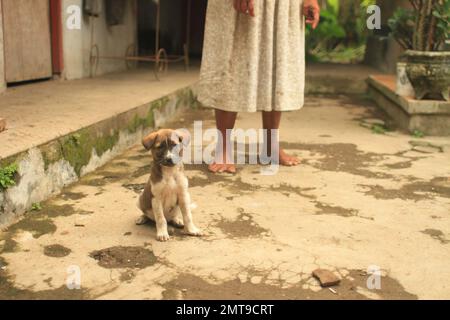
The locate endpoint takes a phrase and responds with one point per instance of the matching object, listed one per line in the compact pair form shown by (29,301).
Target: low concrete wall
(111,41)
(2,55)
(427,116)
(44,170)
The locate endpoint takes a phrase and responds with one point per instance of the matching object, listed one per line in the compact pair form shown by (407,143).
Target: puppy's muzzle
(171,159)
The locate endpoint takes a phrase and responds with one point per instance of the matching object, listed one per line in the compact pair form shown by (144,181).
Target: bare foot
(287,160)
(220,166)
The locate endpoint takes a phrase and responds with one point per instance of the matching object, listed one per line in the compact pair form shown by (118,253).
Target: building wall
(111,41)
(2,55)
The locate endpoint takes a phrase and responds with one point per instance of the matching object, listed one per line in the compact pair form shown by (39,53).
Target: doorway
(28,40)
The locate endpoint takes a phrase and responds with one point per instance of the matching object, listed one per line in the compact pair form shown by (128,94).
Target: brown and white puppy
(166,197)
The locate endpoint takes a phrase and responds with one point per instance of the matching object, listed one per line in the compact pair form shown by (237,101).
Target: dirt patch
(195,288)
(139,157)
(343,212)
(124,257)
(9,292)
(73,195)
(419,190)
(235,185)
(138,188)
(38,223)
(127,276)
(341,157)
(242,227)
(400,165)
(103,177)
(437,235)
(287,190)
(122,164)
(56,251)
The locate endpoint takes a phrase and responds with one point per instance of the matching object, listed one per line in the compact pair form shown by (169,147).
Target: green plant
(327,34)
(425,27)
(7,175)
(418,134)
(341,34)
(36,207)
(378,129)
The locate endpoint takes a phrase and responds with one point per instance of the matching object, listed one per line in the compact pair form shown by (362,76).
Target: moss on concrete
(77,148)
(158,104)
(142,122)
(187,98)
(51,153)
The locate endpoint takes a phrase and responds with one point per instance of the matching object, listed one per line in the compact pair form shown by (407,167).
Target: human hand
(311,10)
(245,7)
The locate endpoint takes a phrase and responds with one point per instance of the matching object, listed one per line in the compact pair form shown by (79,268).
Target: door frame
(56,36)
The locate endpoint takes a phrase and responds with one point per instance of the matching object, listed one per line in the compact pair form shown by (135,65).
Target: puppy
(166,197)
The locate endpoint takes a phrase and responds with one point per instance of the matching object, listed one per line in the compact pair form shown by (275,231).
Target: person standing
(254,60)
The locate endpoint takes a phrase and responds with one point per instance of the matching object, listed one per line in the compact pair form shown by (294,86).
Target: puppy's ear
(150,140)
(184,136)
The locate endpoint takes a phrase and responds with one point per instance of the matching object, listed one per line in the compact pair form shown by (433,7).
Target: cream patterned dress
(254,63)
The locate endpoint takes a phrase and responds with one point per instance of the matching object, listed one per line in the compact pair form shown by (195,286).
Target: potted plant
(422,31)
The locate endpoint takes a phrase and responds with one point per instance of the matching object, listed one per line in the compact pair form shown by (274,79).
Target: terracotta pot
(429,73)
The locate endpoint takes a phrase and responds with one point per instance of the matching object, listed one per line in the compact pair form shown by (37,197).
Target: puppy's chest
(168,190)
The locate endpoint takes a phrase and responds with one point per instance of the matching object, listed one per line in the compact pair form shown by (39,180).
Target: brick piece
(326,277)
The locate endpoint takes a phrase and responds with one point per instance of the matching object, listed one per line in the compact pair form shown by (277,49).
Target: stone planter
(429,73)
(403,85)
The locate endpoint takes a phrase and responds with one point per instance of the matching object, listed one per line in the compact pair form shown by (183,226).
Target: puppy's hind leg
(147,217)
(147,213)
(142,220)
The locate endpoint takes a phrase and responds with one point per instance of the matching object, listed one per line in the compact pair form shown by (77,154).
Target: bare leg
(225,121)
(271,121)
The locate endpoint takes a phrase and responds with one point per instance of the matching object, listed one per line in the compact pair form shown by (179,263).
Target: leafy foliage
(402,27)
(341,33)
(425,27)
(7,175)
(36,207)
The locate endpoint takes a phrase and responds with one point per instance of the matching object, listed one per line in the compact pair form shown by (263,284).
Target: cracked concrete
(359,199)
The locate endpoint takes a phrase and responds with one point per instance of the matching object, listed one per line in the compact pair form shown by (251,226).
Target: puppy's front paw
(192,230)
(162,236)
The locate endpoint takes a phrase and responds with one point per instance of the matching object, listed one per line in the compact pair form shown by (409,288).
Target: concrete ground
(359,199)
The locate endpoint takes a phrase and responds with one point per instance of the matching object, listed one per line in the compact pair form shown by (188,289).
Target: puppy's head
(166,146)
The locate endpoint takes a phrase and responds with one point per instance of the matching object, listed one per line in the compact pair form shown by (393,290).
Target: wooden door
(27,40)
